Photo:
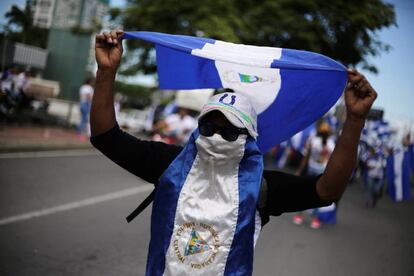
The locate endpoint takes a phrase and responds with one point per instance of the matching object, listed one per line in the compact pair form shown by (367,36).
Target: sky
(393,82)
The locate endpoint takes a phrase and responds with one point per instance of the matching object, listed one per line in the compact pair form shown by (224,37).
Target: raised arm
(359,97)
(108,50)
(145,159)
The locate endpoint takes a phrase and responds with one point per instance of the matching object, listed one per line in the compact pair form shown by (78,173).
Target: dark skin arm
(359,97)
(108,49)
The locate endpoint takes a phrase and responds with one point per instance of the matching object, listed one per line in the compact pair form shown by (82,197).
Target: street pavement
(63,213)
(16,138)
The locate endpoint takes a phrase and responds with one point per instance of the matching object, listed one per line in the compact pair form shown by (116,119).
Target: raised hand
(359,96)
(108,49)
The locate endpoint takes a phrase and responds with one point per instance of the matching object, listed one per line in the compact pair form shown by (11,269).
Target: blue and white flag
(290,89)
(398,170)
(327,214)
(204,218)
(410,150)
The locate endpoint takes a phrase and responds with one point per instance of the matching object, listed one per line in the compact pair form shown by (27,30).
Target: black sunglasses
(228,132)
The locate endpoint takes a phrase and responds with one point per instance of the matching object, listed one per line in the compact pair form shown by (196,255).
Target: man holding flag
(212,197)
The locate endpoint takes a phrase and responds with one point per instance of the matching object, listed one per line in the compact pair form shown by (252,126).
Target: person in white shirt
(318,151)
(85,97)
(8,80)
(375,164)
(179,125)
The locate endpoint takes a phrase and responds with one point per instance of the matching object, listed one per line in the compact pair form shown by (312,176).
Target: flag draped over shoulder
(289,89)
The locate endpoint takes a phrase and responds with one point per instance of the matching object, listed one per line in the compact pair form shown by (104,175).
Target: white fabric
(85,93)
(243,54)
(257,227)
(22,81)
(208,203)
(232,59)
(262,92)
(328,208)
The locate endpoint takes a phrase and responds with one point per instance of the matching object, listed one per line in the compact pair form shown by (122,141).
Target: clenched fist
(108,50)
(359,96)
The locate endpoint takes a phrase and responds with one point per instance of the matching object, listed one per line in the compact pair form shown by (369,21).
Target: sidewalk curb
(26,147)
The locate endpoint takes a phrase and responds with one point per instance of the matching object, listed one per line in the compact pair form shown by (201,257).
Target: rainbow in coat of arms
(249,79)
(196,244)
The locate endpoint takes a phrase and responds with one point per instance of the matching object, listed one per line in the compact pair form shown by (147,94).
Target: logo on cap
(232,101)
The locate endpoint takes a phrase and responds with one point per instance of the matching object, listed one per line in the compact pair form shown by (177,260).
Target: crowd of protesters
(385,162)
(13,85)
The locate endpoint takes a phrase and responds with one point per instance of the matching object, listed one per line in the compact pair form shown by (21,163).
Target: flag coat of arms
(289,89)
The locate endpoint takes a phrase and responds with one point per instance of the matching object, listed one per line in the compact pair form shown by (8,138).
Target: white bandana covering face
(214,223)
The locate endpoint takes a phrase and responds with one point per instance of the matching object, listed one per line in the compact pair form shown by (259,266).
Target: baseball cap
(236,108)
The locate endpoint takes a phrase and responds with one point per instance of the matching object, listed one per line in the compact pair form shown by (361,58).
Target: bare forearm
(102,116)
(332,183)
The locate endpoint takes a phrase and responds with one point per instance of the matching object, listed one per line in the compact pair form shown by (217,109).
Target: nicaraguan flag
(411,156)
(398,172)
(289,89)
(327,214)
(204,218)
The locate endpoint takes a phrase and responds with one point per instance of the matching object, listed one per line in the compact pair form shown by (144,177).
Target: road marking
(76,204)
(52,153)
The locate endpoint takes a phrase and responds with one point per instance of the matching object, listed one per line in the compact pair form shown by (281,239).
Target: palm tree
(21,18)
(20,26)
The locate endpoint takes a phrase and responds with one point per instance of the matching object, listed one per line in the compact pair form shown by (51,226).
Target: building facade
(71,24)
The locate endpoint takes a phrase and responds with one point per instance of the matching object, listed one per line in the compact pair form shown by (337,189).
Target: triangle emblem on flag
(196,244)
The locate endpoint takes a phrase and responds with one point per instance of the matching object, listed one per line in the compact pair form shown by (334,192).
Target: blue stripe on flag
(406,175)
(304,97)
(189,72)
(327,215)
(389,169)
(240,258)
(401,183)
(411,156)
(179,42)
(304,60)
(165,205)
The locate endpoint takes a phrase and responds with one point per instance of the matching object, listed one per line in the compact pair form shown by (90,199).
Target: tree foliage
(136,95)
(345,30)
(20,27)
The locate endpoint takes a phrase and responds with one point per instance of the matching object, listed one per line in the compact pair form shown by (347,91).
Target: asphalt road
(64,214)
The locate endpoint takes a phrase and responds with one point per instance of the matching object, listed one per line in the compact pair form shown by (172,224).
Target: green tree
(20,26)
(345,30)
